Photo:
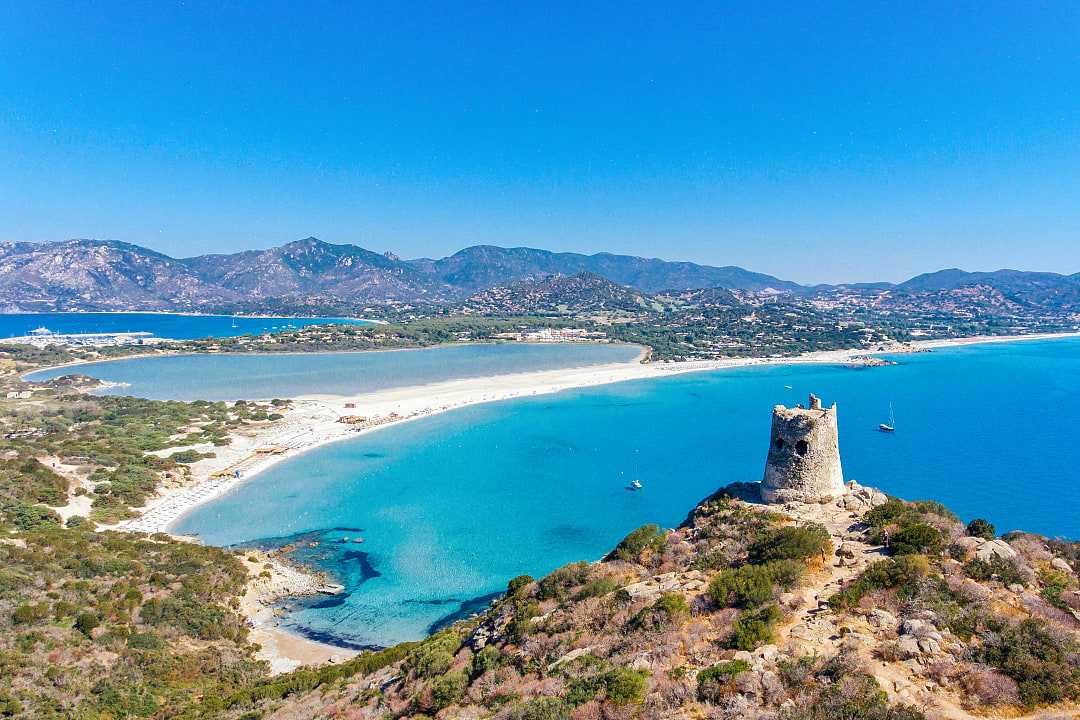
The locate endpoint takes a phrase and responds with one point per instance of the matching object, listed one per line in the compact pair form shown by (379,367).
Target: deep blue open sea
(164,325)
(262,376)
(453,506)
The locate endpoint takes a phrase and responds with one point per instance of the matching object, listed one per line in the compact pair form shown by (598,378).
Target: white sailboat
(891,425)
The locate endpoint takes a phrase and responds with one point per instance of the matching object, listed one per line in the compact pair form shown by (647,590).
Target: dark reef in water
(367,570)
(331,639)
(307,536)
(465,609)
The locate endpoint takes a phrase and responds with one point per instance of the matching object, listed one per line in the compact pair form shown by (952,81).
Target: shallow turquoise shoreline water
(452,506)
(264,376)
(163,325)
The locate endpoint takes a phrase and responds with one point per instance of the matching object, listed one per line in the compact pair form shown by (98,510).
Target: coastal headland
(313,421)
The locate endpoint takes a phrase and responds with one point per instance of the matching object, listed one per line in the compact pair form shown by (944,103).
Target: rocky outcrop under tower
(804,455)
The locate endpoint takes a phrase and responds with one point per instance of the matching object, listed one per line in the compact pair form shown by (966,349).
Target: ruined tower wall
(804,455)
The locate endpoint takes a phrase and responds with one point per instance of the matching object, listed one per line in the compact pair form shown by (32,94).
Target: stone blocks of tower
(804,455)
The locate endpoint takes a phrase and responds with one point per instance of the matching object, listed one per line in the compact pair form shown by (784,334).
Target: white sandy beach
(271,580)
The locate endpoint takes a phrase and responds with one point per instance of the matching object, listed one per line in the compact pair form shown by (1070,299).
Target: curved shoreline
(642,355)
(313,421)
(899,348)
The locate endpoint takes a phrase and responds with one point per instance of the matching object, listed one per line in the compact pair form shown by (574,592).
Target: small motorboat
(634,485)
(885,427)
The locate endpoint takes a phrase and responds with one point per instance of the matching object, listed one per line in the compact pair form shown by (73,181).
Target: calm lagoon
(263,376)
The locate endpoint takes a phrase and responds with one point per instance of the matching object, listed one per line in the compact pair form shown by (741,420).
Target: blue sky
(814,141)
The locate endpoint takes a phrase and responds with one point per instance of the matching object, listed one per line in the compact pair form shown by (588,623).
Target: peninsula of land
(312,421)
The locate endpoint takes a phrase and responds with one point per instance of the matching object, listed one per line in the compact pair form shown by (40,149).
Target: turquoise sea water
(257,377)
(453,506)
(164,325)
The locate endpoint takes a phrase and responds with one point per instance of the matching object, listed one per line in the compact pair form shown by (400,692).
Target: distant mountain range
(108,275)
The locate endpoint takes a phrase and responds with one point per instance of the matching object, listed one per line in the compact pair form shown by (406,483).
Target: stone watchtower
(804,455)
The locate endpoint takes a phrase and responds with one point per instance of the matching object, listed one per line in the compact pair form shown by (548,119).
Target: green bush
(489,658)
(1005,570)
(435,655)
(795,673)
(448,689)
(933,507)
(668,611)
(544,708)
(30,517)
(186,456)
(145,641)
(192,615)
(745,586)
(583,689)
(521,624)
(518,584)
(754,628)
(30,614)
(597,588)
(431,662)
(917,539)
(904,572)
(647,537)
(752,585)
(9,705)
(1042,661)
(886,513)
(981,529)
(625,686)
(716,681)
(913,534)
(791,543)
(562,579)
(31,482)
(86,623)
(62,609)
(1054,584)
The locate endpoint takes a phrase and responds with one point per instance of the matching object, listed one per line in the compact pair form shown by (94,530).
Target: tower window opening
(779,443)
(802,447)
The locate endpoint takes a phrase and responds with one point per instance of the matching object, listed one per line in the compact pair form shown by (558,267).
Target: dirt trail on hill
(815,629)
